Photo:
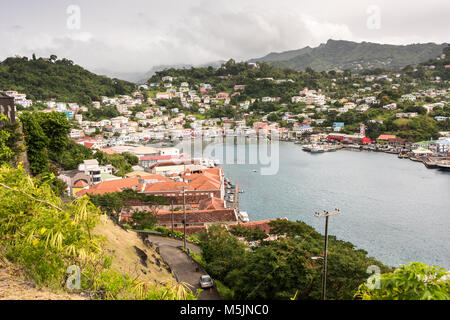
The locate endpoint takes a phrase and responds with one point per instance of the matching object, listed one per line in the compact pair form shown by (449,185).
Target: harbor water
(395,209)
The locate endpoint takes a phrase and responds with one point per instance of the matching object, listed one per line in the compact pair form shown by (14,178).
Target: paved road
(186,269)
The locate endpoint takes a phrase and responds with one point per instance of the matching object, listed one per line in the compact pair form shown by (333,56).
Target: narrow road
(184,267)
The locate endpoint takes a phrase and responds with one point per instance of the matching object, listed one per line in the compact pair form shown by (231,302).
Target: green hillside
(43,79)
(339,54)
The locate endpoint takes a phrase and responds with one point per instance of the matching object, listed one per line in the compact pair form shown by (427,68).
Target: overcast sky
(134,35)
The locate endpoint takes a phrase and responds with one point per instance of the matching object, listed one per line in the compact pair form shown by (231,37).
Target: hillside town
(224,152)
(147,117)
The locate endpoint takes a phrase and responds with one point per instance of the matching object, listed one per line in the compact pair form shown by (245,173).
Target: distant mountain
(341,54)
(142,77)
(43,79)
(149,74)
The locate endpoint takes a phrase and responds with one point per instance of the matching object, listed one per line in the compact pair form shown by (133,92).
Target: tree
(143,219)
(36,143)
(222,251)
(415,281)
(5,152)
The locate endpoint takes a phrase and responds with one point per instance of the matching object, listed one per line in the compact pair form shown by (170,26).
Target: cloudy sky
(134,35)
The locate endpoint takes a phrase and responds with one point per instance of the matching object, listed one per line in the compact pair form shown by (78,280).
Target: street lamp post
(325,214)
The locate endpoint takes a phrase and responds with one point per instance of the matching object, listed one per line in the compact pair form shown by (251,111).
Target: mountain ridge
(344,54)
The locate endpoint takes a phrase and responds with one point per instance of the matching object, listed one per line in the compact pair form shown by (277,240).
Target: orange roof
(386,137)
(121,184)
(262,225)
(108,150)
(209,179)
(80,184)
(213,203)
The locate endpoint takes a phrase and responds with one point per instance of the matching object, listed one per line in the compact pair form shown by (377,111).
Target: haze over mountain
(341,54)
(332,55)
(140,78)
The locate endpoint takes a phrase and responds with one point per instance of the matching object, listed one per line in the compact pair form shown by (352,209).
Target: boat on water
(402,155)
(353,146)
(429,163)
(243,215)
(317,149)
(443,165)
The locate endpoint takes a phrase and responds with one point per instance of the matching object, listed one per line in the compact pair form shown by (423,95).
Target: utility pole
(171,210)
(325,214)
(184,210)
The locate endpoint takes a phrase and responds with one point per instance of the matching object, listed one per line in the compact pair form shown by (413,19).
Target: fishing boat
(307,148)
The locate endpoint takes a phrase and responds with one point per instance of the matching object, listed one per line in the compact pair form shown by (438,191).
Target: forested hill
(43,79)
(340,54)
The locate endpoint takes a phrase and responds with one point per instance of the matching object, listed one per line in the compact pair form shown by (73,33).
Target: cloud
(135,35)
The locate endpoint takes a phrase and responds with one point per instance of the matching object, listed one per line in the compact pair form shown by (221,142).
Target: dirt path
(185,269)
(14,287)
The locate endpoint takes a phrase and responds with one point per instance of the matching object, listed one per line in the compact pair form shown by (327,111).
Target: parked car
(206,281)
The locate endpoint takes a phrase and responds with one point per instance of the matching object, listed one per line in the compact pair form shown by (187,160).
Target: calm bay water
(395,209)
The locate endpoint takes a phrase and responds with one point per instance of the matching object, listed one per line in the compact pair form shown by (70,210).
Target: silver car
(206,282)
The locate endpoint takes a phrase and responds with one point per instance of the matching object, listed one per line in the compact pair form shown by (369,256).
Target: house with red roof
(383,138)
(199,185)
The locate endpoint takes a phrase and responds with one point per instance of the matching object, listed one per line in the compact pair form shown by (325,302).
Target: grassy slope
(121,244)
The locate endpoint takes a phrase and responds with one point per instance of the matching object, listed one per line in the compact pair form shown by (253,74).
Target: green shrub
(224,292)
(45,236)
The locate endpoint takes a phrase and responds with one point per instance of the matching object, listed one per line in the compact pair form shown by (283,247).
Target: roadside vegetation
(44,236)
(292,267)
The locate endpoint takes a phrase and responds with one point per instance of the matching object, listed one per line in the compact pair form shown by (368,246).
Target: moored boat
(243,215)
(317,149)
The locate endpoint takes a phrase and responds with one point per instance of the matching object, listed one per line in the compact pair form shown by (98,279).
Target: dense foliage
(415,281)
(49,149)
(123,162)
(44,79)
(284,268)
(113,203)
(45,236)
(10,141)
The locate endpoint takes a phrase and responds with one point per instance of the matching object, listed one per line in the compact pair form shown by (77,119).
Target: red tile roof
(121,184)
(213,203)
(262,225)
(197,216)
(386,137)
(208,179)
(80,184)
